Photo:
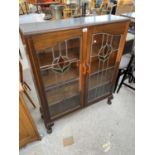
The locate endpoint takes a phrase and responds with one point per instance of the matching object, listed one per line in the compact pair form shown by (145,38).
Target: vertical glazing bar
(97,79)
(66,48)
(60,50)
(101,74)
(107,62)
(89,81)
(103,62)
(53,54)
(99,60)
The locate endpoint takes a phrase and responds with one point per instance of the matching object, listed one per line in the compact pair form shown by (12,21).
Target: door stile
(120,52)
(83,66)
(81,87)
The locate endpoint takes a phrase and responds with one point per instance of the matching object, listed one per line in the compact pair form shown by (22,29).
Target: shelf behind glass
(100,78)
(59,94)
(68,48)
(51,78)
(97,66)
(99,91)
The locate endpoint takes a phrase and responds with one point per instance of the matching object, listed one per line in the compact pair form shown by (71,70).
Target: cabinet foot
(109,100)
(49,130)
(49,127)
(42,116)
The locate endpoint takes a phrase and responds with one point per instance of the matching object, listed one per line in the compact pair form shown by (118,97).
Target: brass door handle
(84,69)
(88,68)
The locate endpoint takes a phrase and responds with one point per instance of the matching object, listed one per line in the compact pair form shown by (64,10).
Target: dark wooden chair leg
(117,80)
(27,95)
(120,85)
(129,86)
(126,73)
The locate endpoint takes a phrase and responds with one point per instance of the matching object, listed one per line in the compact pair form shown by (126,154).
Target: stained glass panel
(59,67)
(104,51)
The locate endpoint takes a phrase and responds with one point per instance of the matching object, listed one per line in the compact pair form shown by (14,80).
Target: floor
(96,130)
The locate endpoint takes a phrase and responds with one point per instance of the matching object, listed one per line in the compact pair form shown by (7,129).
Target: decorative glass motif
(104,52)
(60,70)
(106,47)
(61,64)
(103,56)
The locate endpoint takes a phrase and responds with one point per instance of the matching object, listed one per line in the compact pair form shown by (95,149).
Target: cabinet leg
(41,113)
(49,127)
(109,100)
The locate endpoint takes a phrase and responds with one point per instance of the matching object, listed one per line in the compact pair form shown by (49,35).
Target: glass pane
(62,92)
(51,77)
(103,56)
(59,67)
(68,50)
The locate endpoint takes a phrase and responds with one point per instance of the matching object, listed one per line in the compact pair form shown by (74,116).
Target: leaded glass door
(103,51)
(60,72)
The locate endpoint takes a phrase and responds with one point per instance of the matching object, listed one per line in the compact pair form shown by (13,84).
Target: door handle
(88,68)
(84,69)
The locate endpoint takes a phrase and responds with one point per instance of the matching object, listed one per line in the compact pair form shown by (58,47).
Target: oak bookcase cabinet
(74,61)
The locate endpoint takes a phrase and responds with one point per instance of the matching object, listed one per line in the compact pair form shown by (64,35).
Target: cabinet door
(104,45)
(59,57)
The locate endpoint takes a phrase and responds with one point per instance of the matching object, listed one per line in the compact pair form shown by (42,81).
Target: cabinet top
(66,24)
(129,15)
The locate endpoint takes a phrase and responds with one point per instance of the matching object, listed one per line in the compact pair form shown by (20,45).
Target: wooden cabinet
(27,129)
(74,61)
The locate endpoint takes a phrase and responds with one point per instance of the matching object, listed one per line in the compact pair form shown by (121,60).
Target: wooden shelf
(99,92)
(60,91)
(45,58)
(61,84)
(51,78)
(59,94)
(96,66)
(50,66)
(100,78)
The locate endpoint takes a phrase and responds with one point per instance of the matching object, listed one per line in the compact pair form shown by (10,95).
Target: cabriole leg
(109,99)
(49,127)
